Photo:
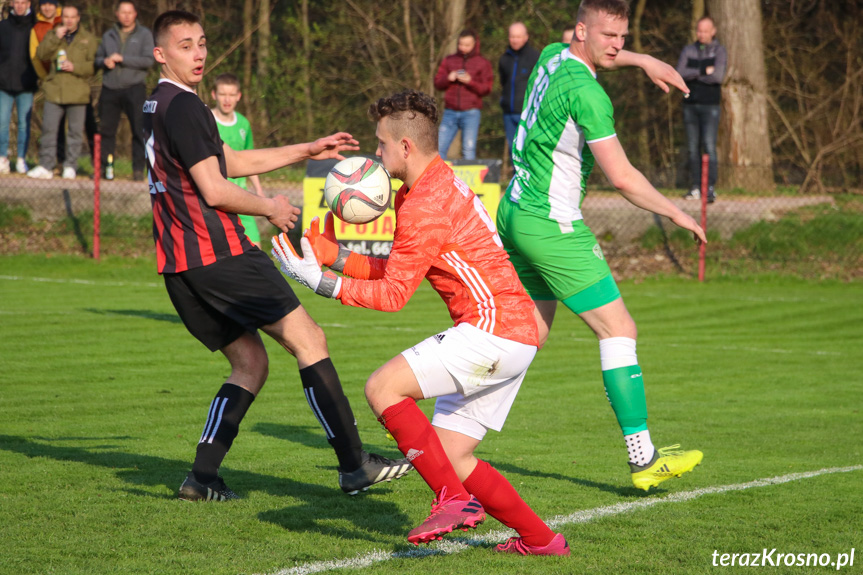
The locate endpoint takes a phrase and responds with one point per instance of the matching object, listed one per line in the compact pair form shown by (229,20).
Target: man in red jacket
(466,78)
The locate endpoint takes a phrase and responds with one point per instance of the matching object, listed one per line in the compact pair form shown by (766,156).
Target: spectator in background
(125,55)
(18,81)
(72,51)
(566,37)
(48,18)
(702,66)
(466,78)
(236,132)
(514,69)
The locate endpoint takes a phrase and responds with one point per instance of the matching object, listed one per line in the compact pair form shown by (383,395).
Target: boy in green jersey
(567,126)
(235,130)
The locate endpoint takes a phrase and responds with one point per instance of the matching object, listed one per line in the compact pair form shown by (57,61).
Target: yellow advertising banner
(375,238)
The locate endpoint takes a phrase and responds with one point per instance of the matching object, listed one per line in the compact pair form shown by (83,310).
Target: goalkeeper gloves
(305,270)
(327,248)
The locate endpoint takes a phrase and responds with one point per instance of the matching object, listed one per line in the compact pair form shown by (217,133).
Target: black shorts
(221,301)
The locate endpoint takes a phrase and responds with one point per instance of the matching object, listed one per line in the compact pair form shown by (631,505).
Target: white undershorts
(475,376)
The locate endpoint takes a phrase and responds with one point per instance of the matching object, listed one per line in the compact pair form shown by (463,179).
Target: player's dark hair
(467,32)
(412,114)
(616,8)
(166,20)
(226,79)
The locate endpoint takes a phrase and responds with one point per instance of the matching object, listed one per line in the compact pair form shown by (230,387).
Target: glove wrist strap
(330,285)
(339,264)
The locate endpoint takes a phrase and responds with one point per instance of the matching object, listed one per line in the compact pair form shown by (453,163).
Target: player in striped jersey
(207,263)
(474,369)
(566,126)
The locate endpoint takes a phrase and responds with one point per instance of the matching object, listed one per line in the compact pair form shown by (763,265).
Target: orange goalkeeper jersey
(444,233)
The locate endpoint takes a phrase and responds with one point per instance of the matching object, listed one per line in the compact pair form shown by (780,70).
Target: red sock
(502,502)
(420,444)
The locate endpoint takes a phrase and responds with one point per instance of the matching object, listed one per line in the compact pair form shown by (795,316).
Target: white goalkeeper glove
(305,270)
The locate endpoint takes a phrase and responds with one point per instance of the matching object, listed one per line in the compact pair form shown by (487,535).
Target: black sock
(223,422)
(330,406)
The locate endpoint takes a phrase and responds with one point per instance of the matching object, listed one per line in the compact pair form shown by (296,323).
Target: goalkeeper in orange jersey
(474,369)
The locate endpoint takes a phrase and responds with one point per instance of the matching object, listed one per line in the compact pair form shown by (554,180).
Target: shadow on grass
(620,491)
(310,436)
(139,313)
(367,516)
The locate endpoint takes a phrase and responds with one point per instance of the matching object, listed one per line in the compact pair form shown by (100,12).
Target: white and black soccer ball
(358,190)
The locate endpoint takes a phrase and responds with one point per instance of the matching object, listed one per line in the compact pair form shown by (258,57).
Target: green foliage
(13,216)
(104,394)
(820,232)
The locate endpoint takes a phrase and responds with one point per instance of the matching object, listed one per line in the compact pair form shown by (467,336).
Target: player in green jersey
(235,130)
(567,126)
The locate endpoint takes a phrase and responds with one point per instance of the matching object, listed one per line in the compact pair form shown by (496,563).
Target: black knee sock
(223,422)
(330,406)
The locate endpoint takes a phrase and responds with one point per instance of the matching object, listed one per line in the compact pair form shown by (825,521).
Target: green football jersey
(238,136)
(565,110)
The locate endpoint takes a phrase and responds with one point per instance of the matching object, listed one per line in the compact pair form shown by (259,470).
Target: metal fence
(808,235)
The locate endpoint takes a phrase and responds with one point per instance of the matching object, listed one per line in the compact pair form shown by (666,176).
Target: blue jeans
(24,102)
(702,124)
(510,127)
(468,122)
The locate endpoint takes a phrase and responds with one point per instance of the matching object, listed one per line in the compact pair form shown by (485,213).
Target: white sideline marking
(452,546)
(82,282)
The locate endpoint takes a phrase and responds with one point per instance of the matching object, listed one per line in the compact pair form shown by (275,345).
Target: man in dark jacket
(702,66)
(126,53)
(514,69)
(18,81)
(465,77)
(67,91)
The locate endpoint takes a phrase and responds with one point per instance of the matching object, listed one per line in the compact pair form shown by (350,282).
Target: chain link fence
(810,235)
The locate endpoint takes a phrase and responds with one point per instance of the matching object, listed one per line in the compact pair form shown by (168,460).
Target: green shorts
(554,265)
(251,226)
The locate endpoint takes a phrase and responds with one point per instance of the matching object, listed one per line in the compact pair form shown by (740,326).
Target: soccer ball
(358,190)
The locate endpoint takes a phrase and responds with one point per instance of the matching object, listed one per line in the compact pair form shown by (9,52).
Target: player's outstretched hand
(284,215)
(686,222)
(331,147)
(327,248)
(663,74)
(305,270)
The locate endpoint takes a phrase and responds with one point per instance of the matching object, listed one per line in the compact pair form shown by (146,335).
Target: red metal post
(97,180)
(702,249)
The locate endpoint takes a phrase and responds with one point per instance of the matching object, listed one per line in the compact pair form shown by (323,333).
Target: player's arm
(256,185)
(228,197)
(634,186)
(414,250)
(335,256)
(659,72)
(252,162)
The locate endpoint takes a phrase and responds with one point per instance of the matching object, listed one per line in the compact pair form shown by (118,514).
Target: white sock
(640,447)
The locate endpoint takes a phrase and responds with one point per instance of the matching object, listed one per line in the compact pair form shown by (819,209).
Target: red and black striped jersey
(180,132)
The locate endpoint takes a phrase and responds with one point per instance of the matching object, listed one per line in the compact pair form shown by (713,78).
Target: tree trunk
(264,35)
(643,140)
(454,19)
(409,39)
(307,75)
(697,14)
(248,15)
(745,155)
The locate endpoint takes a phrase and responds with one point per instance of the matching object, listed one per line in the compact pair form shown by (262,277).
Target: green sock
(624,388)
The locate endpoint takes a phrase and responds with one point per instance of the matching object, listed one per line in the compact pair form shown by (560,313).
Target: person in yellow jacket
(47,18)
(72,51)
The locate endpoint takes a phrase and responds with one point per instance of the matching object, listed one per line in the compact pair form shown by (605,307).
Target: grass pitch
(103,394)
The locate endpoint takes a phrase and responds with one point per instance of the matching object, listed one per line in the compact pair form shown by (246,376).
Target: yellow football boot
(667,462)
